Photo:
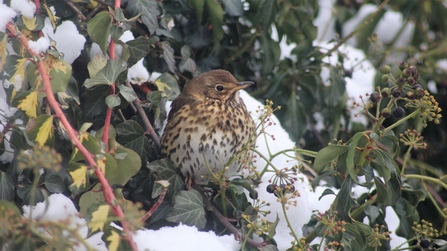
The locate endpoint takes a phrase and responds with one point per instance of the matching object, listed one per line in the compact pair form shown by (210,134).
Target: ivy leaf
(97,216)
(132,136)
(42,132)
(128,93)
(233,8)
(113,101)
(328,154)
(35,23)
(79,175)
(168,56)
(168,85)
(54,183)
(6,187)
(28,102)
(96,64)
(138,48)
(90,198)
(166,171)
(215,13)
(186,63)
(59,71)
(98,28)
(198,6)
(128,166)
(148,10)
(188,209)
(92,144)
(266,12)
(155,98)
(108,74)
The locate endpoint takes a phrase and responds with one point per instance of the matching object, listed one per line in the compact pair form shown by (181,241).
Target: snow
(40,45)
(67,38)
(24,7)
(7,15)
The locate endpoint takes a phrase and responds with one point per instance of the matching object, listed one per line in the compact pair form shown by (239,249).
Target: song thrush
(208,122)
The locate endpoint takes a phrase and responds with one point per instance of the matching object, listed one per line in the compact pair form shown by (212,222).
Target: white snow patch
(24,7)
(40,45)
(7,14)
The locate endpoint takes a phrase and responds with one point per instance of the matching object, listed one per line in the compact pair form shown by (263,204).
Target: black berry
(424,243)
(386,92)
(395,93)
(271,188)
(375,97)
(386,113)
(399,112)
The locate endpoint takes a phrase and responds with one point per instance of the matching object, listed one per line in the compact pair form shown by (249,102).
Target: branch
(108,192)
(147,123)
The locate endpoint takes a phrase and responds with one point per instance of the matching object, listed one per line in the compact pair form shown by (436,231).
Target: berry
(254,195)
(395,92)
(406,73)
(271,188)
(411,81)
(400,82)
(348,73)
(386,92)
(403,66)
(417,86)
(418,93)
(413,70)
(386,113)
(375,97)
(385,69)
(424,243)
(385,79)
(399,112)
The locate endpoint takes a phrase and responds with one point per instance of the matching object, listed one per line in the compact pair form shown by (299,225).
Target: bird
(207,125)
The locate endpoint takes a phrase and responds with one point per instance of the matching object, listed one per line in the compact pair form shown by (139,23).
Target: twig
(225,221)
(81,16)
(157,204)
(147,123)
(108,192)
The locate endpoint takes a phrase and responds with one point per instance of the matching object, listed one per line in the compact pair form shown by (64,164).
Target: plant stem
(435,204)
(427,178)
(406,157)
(400,121)
(283,206)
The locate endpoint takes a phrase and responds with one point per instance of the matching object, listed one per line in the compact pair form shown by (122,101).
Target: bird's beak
(244,84)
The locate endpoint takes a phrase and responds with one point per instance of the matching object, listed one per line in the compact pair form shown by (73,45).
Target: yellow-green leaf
(99,218)
(78,175)
(53,19)
(113,241)
(29,104)
(92,144)
(46,130)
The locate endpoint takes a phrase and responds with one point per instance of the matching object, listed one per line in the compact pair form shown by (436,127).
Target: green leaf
(138,49)
(54,183)
(92,144)
(215,13)
(233,8)
(42,132)
(113,101)
(198,6)
(354,238)
(98,28)
(24,193)
(59,71)
(166,171)
(79,176)
(127,166)
(344,199)
(90,198)
(266,12)
(186,63)
(131,135)
(168,56)
(372,212)
(32,24)
(95,101)
(350,158)
(155,98)
(127,93)
(96,64)
(270,53)
(334,93)
(383,193)
(148,10)
(108,74)
(6,187)
(328,154)
(363,35)
(168,85)
(407,214)
(326,191)
(188,209)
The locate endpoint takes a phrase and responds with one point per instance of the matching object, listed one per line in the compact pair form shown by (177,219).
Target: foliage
(87,131)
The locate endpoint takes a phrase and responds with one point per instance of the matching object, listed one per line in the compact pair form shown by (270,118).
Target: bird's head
(215,84)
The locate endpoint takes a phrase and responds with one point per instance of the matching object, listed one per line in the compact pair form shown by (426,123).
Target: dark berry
(385,69)
(403,66)
(418,93)
(406,73)
(386,113)
(400,82)
(424,243)
(348,73)
(416,76)
(395,92)
(413,70)
(375,97)
(411,81)
(271,188)
(385,79)
(386,92)
(399,112)
(417,86)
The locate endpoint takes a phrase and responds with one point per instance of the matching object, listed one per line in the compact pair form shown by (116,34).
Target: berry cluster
(406,86)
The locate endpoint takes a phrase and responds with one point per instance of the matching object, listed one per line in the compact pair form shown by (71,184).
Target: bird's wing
(177,104)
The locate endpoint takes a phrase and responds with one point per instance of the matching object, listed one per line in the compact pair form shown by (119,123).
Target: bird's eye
(219,88)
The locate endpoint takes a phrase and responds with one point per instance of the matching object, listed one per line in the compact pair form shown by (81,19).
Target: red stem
(108,192)
(155,206)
